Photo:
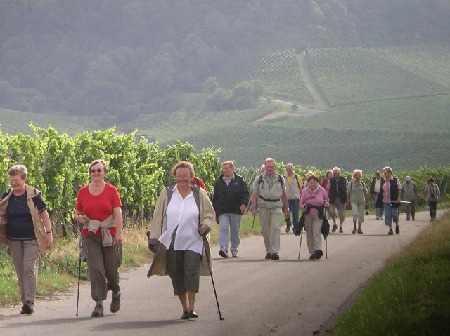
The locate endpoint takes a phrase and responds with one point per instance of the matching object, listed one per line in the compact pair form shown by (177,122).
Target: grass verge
(410,295)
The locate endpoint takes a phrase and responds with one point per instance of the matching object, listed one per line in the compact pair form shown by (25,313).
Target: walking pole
(79,271)
(300,248)
(208,260)
(326,248)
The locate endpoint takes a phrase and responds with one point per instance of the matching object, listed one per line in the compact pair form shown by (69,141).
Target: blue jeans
(433,209)
(294,205)
(390,214)
(229,223)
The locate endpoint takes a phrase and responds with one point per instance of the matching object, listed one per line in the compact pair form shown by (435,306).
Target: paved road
(257,297)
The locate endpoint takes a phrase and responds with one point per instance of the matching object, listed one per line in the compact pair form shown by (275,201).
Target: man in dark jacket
(337,193)
(230,201)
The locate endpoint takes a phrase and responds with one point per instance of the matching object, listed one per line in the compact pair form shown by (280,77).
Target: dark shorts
(183,268)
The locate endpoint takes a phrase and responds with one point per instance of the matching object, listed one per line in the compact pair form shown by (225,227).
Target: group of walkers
(184,215)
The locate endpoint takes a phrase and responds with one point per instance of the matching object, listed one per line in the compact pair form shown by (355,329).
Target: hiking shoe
(390,232)
(312,257)
(354,231)
(287,229)
(98,310)
(340,229)
(192,314)
(407,218)
(268,256)
(27,308)
(185,315)
(318,254)
(360,231)
(275,256)
(115,302)
(397,230)
(223,254)
(234,254)
(334,228)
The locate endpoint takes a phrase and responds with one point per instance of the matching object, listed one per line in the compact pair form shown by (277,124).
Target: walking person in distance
(357,198)
(230,200)
(313,202)
(270,200)
(391,191)
(432,195)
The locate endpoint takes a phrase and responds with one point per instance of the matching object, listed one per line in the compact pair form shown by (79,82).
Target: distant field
(391,106)
(16,121)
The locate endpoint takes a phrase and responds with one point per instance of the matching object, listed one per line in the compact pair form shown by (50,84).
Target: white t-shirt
(182,213)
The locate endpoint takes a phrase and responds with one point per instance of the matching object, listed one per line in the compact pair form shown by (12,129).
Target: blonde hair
(357,171)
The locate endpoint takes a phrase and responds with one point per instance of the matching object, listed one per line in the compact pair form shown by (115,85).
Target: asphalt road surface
(258,297)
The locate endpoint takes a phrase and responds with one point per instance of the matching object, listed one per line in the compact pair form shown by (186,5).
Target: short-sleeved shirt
(20,223)
(98,207)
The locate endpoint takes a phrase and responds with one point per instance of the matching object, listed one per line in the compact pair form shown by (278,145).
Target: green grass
(411,295)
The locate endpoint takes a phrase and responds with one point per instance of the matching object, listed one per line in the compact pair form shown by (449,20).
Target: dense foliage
(122,58)
(58,167)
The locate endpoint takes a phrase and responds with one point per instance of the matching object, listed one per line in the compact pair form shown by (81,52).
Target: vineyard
(279,71)
(351,75)
(58,166)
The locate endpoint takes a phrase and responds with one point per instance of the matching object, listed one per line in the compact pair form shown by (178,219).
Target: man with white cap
(409,193)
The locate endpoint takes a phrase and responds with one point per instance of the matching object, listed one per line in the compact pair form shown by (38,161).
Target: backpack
(300,185)
(280,180)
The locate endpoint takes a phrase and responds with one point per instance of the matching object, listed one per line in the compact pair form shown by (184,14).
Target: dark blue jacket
(228,198)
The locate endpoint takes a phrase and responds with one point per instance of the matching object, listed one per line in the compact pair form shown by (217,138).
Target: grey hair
(18,170)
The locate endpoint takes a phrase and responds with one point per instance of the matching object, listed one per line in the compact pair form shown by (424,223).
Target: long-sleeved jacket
(229,198)
(158,225)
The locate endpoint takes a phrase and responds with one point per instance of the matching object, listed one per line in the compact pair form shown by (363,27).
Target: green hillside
(391,106)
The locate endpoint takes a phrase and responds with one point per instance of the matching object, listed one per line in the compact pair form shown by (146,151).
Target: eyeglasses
(99,170)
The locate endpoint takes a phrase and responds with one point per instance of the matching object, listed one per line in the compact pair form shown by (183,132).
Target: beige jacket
(38,224)
(158,225)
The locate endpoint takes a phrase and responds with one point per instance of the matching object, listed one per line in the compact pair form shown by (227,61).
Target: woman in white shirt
(181,221)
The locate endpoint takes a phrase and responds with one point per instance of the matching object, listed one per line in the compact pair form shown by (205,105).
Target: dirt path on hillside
(301,111)
(257,296)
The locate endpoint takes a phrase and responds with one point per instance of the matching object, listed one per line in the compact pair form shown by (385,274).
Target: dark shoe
(192,314)
(223,254)
(312,256)
(287,229)
(390,232)
(185,315)
(354,231)
(340,229)
(27,308)
(334,228)
(318,254)
(407,218)
(268,256)
(115,303)
(275,256)
(397,230)
(98,310)
(360,231)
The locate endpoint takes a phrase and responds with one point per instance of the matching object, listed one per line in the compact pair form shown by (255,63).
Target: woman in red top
(98,208)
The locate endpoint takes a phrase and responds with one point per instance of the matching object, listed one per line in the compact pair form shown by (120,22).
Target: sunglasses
(99,170)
